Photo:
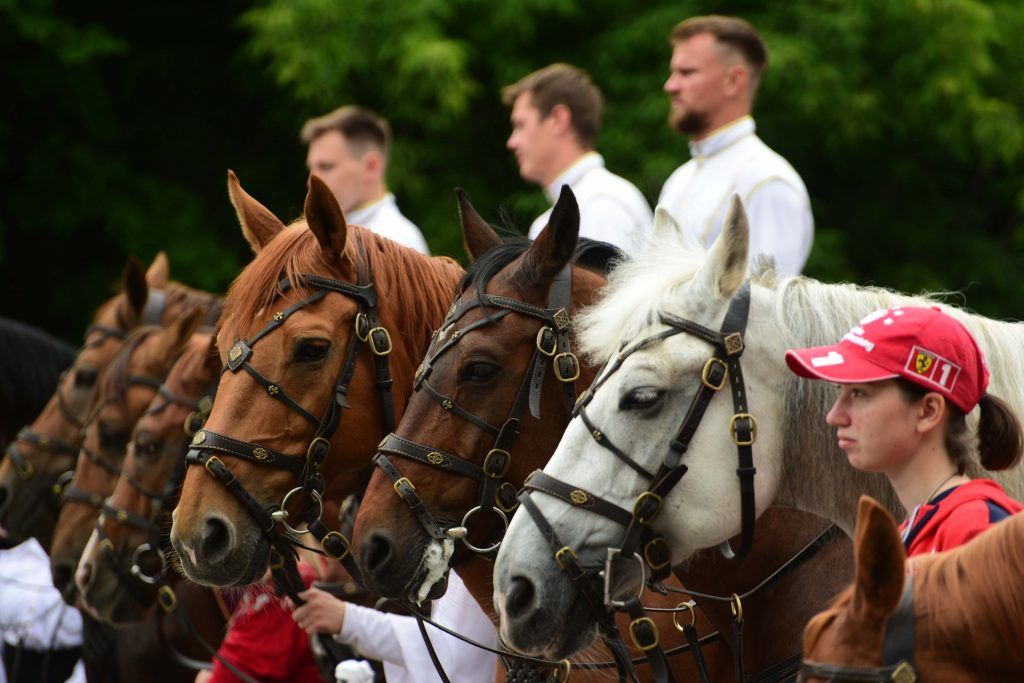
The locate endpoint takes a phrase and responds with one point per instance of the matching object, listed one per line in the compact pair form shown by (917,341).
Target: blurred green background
(904,118)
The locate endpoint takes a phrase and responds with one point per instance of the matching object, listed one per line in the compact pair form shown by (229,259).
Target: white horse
(641,407)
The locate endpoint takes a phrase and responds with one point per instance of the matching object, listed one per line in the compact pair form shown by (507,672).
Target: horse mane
(975,589)
(31,361)
(803,313)
(426,281)
(113,384)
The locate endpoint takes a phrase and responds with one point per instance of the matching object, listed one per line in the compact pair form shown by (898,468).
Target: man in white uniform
(556,116)
(348,150)
(716,67)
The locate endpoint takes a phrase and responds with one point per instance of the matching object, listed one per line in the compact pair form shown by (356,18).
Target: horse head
(315,330)
(488,406)
(124,564)
(124,390)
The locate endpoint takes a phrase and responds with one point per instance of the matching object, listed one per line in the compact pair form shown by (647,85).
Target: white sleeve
(781,225)
(607,219)
(371,633)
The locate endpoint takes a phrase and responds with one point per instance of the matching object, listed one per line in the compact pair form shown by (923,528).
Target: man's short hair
(731,31)
(566,85)
(362,129)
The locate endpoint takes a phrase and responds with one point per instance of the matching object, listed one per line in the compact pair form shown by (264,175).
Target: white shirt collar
(722,138)
(570,176)
(362,213)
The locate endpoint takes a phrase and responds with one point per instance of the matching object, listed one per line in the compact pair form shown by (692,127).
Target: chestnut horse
(291,339)
(958,618)
(125,389)
(48,448)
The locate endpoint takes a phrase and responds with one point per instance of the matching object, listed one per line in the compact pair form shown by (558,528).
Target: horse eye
(311,350)
(641,398)
(146,447)
(113,438)
(85,377)
(479,371)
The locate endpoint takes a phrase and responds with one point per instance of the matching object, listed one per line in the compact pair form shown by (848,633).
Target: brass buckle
(504,470)
(647,556)
(362,322)
(540,341)
(575,364)
(399,483)
(557,674)
(753,429)
(654,629)
(736,607)
(497,497)
(210,461)
(378,351)
(706,372)
(167,599)
(565,550)
(733,344)
(344,542)
(108,545)
(684,607)
(639,501)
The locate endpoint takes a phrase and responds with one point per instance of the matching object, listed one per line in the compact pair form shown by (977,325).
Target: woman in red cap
(908,378)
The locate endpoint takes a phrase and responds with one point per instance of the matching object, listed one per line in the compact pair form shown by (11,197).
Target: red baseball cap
(924,345)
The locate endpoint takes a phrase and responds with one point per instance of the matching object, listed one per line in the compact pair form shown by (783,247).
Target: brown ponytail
(1000,439)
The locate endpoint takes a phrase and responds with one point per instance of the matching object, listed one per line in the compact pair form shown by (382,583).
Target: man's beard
(687,122)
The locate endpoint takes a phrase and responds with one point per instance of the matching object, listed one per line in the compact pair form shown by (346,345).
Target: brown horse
(118,578)
(126,387)
(291,335)
(46,449)
(960,619)
(484,371)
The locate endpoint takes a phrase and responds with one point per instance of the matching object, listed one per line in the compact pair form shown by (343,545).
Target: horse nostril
(83,576)
(216,542)
(3,498)
(378,553)
(520,597)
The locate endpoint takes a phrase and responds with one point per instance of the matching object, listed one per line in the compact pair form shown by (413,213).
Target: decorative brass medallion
(435,458)
(260,453)
(199,438)
(578,497)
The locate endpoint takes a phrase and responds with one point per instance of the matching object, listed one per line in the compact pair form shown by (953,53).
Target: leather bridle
(495,492)
(209,447)
(723,365)
(897,651)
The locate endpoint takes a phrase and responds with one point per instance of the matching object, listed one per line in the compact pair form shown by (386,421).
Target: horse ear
(555,244)
(136,291)
(325,219)
(478,236)
(880,562)
(259,225)
(665,226)
(159,271)
(726,266)
(176,335)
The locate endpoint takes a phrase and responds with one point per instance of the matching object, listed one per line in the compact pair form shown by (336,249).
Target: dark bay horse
(953,616)
(31,361)
(47,448)
(125,389)
(292,335)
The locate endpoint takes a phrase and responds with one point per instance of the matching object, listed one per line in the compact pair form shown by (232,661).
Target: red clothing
(264,641)
(956,516)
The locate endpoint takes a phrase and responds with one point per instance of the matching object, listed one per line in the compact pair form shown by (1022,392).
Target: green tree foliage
(904,118)
(120,119)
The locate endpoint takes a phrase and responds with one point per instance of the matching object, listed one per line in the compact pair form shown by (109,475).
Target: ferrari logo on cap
(923,362)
